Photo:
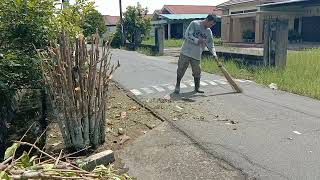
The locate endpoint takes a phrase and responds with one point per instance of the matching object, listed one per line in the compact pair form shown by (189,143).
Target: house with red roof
(111,23)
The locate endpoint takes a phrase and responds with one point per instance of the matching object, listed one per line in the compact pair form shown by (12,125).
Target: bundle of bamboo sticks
(78,81)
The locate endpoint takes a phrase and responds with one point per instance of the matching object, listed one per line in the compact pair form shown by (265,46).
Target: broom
(226,74)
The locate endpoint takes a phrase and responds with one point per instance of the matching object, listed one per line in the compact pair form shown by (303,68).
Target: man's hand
(202,41)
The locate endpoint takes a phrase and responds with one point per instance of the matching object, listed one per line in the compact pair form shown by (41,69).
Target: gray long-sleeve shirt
(190,47)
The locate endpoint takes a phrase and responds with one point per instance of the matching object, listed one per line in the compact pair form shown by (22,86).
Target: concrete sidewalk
(165,153)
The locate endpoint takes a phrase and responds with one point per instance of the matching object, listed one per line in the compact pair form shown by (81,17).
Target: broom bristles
(233,84)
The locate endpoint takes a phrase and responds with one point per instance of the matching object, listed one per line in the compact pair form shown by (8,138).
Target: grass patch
(175,42)
(301,76)
(146,51)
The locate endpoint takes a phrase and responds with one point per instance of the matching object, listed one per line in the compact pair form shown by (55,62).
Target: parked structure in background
(111,23)
(243,20)
(176,18)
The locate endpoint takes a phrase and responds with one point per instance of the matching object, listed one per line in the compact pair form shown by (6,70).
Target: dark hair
(212,17)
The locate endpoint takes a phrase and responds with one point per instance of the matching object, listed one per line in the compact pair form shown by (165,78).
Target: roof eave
(281,3)
(228,5)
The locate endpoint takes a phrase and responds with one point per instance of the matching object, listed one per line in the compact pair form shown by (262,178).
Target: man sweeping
(197,36)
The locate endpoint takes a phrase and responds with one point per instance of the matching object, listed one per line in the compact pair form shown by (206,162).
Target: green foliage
(93,20)
(104,171)
(26,23)
(18,70)
(147,51)
(136,22)
(31,169)
(29,24)
(301,75)
(4,175)
(26,161)
(72,17)
(116,38)
(11,150)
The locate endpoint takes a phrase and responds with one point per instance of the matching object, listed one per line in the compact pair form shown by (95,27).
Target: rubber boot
(177,88)
(197,85)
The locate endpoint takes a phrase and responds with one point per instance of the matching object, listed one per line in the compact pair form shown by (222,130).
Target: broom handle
(215,58)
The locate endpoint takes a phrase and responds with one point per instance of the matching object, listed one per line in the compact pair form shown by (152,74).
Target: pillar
(225,29)
(236,35)
(159,39)
(259,29)
(275,42)
(169,31)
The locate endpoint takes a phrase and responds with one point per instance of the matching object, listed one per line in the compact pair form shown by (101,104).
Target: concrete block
(105,158)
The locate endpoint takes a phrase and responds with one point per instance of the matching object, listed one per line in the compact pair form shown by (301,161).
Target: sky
(111,7)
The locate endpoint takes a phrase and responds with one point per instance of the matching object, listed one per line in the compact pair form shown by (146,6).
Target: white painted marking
(220,81)
(136,92)
(243,80)
(203,83)
(190,83)
(240,80)
(183,85)
(147,90)
(211,82)
(158,88)
(296,132)
(171,87)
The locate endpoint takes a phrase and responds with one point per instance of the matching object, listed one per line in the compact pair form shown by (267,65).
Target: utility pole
(121,24)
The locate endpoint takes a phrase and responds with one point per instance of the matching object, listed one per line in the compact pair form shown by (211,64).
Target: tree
(71,18)
(26,23)
(93,20)
(136,24)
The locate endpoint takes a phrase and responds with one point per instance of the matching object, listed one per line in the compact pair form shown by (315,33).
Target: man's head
(210,21)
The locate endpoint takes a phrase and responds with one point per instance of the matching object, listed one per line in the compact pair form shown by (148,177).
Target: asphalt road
(277,133)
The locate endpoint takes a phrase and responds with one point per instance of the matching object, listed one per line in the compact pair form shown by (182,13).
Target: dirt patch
(180,109)
(126,121)
(176,108)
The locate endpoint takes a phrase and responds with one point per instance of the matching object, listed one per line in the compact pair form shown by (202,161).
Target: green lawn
(301,76)
(175,42)
(146,51)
